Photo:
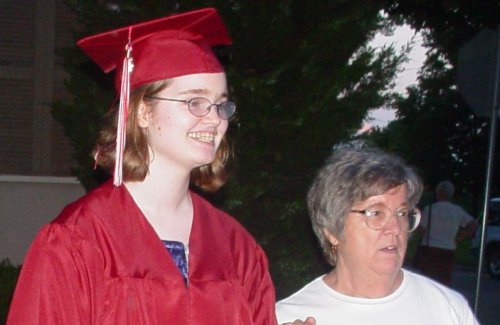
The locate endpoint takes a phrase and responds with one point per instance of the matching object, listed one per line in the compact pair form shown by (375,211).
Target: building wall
(31,79)
(35,156)
(26,204)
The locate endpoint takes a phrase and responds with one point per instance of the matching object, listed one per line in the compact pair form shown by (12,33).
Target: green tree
(304,86)
(446,25)
(303,78)
(436,131)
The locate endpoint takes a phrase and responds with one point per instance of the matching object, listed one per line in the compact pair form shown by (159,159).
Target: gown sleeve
(259,289)
(55,283)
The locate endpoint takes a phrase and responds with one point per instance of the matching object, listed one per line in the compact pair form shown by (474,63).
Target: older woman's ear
(331,238)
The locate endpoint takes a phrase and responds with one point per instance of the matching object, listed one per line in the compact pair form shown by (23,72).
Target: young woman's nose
(213,115)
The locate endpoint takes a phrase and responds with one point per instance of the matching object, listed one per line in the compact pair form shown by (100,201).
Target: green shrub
(8,280)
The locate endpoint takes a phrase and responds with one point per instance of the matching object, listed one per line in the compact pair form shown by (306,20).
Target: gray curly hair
(351,175)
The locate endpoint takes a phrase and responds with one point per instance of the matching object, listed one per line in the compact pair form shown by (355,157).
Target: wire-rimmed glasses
(200,106)
(377,218)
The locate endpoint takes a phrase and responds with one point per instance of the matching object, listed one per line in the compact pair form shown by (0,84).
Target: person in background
(144,248)
(444,225)
(362,208)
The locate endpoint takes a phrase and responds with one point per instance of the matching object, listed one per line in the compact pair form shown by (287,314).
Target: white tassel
(121,129)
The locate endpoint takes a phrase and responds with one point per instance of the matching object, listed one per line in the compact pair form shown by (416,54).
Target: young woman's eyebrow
(201,91)
(197,91)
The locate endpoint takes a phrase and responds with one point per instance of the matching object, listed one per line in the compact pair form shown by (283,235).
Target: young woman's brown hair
(136,157)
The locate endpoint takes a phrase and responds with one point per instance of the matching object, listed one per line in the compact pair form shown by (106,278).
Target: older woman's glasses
(376,218)
(200,106)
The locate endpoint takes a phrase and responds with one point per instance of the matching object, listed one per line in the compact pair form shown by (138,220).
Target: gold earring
(334,249)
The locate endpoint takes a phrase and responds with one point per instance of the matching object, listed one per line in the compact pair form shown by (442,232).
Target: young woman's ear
(144,115)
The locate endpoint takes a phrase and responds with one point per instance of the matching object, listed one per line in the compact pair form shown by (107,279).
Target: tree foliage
(436,131)
(303,78)
(447,25)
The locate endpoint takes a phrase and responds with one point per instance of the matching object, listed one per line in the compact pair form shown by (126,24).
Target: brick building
(35,156)
(31,78)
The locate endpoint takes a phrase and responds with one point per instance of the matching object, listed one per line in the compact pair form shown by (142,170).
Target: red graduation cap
(159,49)
(163,48)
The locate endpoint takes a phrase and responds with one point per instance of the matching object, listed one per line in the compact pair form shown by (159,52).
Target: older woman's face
(378,252)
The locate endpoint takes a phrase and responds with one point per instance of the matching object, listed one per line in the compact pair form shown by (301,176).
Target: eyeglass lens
(377,219)
(201,106)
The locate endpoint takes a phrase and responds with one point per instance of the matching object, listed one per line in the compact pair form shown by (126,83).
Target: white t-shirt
(446,218)
(418,301)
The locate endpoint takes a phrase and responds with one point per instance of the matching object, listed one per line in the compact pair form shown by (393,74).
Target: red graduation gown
(100,262)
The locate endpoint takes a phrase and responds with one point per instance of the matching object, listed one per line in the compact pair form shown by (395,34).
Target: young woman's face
(177,136)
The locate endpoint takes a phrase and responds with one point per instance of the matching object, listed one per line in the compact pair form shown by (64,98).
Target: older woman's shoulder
(304,294)
(307,301)
(433,288)
(440,302)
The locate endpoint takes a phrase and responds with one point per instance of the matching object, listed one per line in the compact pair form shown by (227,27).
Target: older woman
(362,208)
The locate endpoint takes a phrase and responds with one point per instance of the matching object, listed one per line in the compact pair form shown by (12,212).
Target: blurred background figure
(444,225)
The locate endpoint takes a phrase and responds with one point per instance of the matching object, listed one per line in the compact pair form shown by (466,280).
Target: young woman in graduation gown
(144,248)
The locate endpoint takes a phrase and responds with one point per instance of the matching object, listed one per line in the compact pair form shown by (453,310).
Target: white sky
(402,35)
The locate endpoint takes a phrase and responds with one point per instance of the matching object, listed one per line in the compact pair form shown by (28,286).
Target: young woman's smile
(175,134)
